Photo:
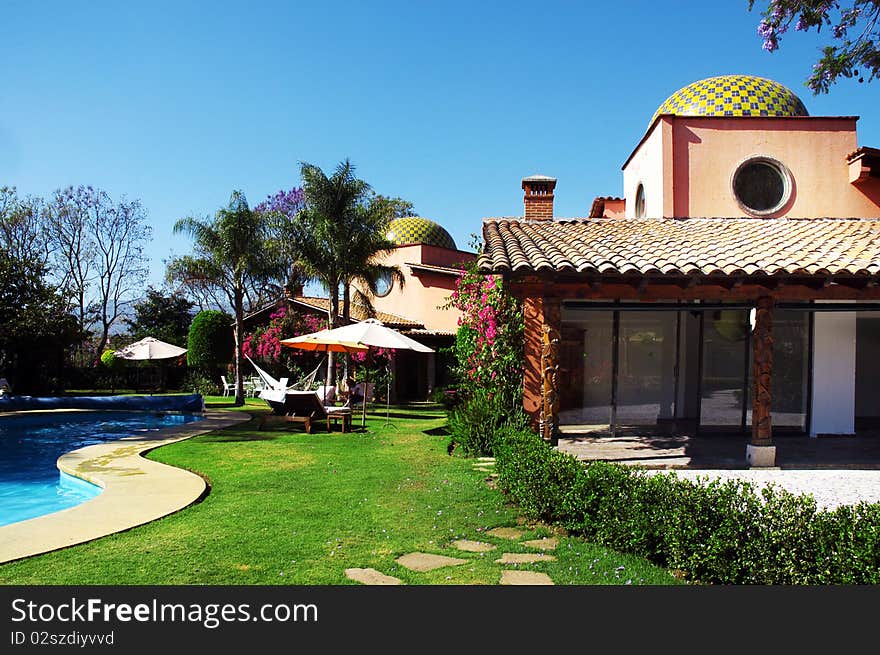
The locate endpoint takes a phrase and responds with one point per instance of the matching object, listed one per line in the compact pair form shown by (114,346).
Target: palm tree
(339,235)
(234,256)
(363,268)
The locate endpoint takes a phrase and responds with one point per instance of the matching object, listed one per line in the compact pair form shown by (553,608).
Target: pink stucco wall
(645,167)
(705,151)
(424,293)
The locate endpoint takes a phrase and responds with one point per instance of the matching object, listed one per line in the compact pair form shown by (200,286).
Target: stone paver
(505,533)
(547,543)
(524,558)
(423,562)
(486,459)
(473,546)
(136,490)
(371,577)
(525,578)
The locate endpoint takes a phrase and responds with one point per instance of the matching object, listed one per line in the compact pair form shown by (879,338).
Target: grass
(290,508)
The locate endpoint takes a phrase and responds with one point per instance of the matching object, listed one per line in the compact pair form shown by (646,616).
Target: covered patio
(642,332)
(725,451)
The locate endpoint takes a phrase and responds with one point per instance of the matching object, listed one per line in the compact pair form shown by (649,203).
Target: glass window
(640,201)
(384,284)
(761,186)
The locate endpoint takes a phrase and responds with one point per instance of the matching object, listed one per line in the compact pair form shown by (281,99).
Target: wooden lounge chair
(305,407)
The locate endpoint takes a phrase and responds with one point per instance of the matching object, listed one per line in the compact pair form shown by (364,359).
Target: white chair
(228,387)
(254,386)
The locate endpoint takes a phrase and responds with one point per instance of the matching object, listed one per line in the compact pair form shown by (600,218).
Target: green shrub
(474,422)
(111,361)
(197,382)
(723,532)
(210,344)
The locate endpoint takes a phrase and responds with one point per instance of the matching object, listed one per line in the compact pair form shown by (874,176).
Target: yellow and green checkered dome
(415,229)
(733,95)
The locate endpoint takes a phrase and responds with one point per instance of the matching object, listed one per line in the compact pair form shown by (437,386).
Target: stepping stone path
(525,578)
(524,558)
(371,577)
(505,533)
(485,464)
(423,562)
(547,543)
(473,546)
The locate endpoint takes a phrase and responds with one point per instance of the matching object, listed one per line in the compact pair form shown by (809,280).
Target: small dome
(733,95)
(414,229)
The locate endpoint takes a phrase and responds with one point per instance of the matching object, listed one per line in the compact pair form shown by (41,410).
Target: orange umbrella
(323,342)
(318,342)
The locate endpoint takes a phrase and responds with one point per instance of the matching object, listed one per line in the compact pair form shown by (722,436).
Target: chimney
(539,197)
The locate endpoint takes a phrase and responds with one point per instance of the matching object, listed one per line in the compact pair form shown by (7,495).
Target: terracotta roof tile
(359,312)
(692,246)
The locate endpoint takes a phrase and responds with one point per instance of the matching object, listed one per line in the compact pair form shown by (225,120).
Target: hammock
(274,389)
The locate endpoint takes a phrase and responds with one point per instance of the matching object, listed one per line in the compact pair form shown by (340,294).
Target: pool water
(31,484)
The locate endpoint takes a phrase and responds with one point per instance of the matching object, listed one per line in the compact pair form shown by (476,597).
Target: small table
(342,414)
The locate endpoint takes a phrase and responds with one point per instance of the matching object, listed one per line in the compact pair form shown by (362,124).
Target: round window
(761,185)
(640,201)
(383,284)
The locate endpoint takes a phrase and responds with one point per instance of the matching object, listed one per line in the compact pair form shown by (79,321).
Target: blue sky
(446,104)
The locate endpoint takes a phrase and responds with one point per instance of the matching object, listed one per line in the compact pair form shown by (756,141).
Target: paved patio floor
(834,470)
(726,451)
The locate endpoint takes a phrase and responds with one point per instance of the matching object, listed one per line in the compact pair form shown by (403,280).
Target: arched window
(640,201)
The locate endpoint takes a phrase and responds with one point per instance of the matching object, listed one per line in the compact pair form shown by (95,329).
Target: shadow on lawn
(233,437)
(442,431)
(413,417)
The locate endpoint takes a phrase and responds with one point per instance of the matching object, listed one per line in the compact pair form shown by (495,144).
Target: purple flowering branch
(854,25)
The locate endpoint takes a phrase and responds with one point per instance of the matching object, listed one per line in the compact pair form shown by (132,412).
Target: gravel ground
(830,488)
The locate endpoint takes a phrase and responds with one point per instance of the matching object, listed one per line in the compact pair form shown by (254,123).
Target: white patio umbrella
(370,332)
(150,348)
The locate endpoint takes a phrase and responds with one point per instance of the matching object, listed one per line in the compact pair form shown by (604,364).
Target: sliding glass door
(659,370)
(725,365)
(646,372)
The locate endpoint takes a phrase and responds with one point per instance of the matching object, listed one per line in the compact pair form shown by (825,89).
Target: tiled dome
(733,95)
(414,229)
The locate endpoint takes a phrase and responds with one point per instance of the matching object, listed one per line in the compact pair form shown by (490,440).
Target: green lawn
(291,508)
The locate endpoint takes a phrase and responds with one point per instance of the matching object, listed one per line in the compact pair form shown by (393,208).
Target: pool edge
(136,490)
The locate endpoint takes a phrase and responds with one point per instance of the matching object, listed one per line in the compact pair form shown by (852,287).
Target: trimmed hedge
(713,532)
(210,343)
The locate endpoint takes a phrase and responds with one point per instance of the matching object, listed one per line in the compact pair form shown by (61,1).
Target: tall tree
(337,237)
(22,227)
(854,26)
(165,316)
(98,249)
(363,267)
(232,255)
(35,327)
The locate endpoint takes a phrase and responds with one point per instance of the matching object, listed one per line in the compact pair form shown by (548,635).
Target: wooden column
(550,335)
(533,321)
(761,452)
(762,343)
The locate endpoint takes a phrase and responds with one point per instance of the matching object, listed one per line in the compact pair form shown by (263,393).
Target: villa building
(733,287)
(431,264)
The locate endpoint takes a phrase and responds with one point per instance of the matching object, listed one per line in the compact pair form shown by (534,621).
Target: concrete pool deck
(136,490)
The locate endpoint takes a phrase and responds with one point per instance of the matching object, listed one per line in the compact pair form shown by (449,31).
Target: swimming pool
(30,483)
